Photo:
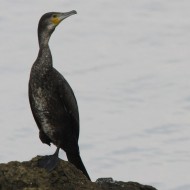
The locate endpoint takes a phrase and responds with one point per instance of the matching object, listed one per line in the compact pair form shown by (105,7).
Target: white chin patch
(51,26)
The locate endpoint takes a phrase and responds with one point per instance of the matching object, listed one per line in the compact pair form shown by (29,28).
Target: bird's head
(49,21)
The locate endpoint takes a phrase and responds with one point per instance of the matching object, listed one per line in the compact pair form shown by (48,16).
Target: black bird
(52,100)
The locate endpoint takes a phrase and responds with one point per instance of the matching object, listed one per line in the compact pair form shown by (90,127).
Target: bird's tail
(77,161)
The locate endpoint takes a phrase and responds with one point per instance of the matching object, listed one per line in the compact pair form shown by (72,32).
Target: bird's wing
(69,102)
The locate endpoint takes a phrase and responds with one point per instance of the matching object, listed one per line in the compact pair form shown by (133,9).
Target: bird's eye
(54,16)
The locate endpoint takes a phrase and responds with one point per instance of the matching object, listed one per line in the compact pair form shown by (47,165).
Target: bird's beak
(67,14)
(62,16)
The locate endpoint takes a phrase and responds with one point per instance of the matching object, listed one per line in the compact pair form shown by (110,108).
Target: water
(128,63)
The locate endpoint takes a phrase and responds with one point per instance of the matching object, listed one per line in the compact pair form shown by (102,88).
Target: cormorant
(52,100)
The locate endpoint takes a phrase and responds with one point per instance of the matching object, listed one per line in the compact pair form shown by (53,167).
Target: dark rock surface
(109,183)
(28,176)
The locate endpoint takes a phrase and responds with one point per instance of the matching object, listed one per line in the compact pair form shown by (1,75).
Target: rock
(109,183)
(28,176)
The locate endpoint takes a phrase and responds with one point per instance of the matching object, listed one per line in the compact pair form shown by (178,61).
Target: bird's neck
(43,38)
(44,60)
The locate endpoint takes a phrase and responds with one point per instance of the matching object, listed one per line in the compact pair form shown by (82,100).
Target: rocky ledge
(28,176)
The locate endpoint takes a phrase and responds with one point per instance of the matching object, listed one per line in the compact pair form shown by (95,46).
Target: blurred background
(128,64)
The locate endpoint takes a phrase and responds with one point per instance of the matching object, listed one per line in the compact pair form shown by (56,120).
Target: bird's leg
(57,152)
(49,162)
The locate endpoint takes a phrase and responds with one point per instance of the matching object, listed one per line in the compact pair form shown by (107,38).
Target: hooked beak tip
(74,12)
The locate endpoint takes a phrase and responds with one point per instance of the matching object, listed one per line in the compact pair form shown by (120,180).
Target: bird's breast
(40,99)
(47,109)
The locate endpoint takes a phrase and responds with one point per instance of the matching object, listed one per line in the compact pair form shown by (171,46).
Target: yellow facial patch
(55,20)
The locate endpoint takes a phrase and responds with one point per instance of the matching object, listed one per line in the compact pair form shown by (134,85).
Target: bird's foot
(49,162)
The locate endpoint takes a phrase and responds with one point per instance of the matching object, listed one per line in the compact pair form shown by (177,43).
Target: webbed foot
(48,162)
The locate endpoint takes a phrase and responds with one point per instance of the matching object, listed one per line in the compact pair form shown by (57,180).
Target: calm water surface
(129,65)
